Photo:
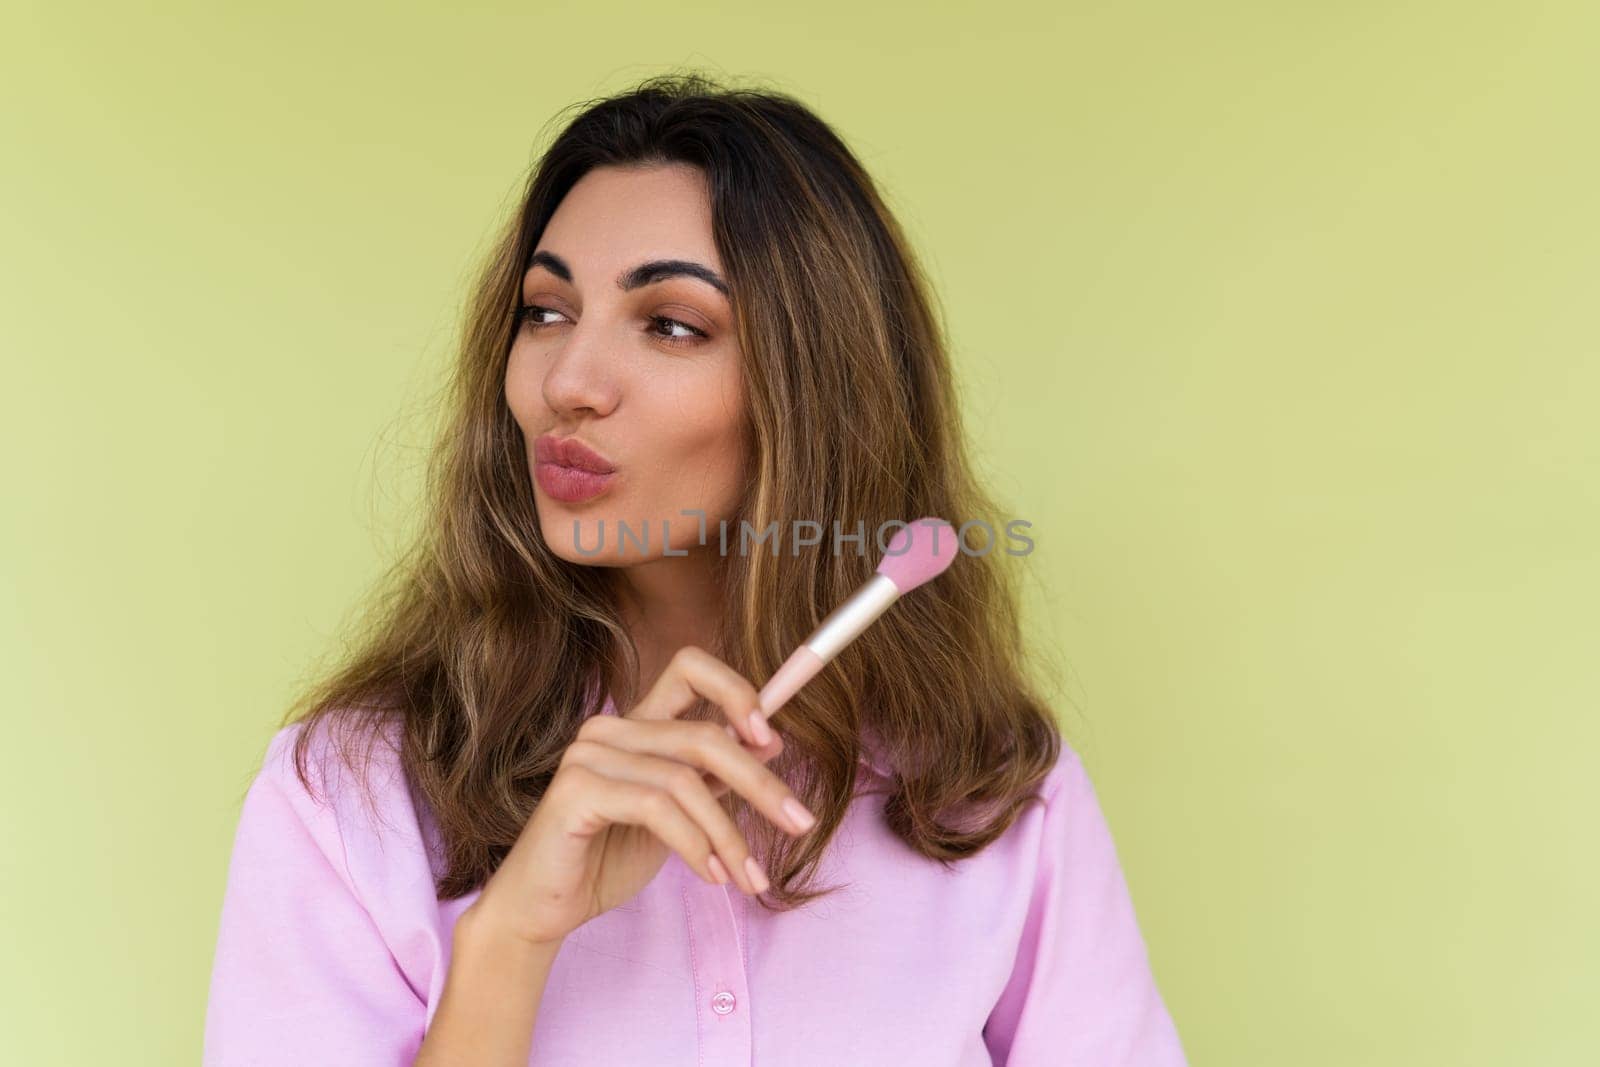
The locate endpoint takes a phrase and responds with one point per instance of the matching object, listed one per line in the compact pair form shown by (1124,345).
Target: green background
(1278,321)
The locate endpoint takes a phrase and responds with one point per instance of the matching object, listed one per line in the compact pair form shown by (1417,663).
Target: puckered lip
(570,452)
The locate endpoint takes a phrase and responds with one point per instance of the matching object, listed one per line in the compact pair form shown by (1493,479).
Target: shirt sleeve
(301,974)
(1081,991)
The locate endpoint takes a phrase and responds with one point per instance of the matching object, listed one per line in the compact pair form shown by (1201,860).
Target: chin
(565,530)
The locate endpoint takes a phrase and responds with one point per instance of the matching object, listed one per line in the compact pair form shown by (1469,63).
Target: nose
(581,374)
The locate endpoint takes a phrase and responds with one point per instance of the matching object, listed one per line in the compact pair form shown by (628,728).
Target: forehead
(615,217)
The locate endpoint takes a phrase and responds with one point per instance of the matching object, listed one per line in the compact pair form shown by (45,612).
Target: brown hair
(484,651)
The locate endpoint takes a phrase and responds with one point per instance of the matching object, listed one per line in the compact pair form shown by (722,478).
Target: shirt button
(722,1003)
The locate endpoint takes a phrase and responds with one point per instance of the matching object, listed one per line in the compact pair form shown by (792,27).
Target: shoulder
(1067,779)
(1073,833)
(335,783)
(1080,986)
(328,917)
(1056,825)
(1064,783)
(334,758)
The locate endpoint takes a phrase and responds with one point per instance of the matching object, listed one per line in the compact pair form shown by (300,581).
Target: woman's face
(627,345)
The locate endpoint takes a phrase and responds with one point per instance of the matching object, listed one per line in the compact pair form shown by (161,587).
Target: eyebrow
(647,273)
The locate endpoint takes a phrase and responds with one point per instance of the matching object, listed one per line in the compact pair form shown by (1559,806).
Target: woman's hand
(630,790)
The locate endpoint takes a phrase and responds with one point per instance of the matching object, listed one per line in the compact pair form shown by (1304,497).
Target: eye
(692,337)
(528,314)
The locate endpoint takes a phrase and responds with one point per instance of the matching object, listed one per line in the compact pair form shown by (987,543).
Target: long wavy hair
(481,652)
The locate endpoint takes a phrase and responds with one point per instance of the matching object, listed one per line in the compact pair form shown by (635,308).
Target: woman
(703,323)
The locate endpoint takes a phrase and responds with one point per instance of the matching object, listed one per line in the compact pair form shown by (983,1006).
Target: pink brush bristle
(919,552)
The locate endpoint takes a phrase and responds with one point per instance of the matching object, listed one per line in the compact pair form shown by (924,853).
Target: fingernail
(759,728)
(731,731)
(718,871)
(798,814)
(757,876)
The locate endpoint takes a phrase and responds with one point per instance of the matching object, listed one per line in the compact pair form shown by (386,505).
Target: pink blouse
(333,947)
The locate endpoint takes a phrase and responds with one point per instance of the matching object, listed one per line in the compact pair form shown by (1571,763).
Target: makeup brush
(916,554)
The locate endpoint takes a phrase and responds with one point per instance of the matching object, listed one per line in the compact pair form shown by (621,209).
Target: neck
(666,604)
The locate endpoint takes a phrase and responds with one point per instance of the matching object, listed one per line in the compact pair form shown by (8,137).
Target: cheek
(723,419)
(522,389)
(703,451)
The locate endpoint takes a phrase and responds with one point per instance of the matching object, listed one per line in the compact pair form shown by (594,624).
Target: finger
(695,674)
(604,799)
(761,754)
(703,745)
(685,785)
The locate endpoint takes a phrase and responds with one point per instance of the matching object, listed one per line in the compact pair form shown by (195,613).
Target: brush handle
(796,671)
(843,625)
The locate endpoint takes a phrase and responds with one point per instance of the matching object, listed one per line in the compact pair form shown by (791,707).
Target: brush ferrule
(845,623)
